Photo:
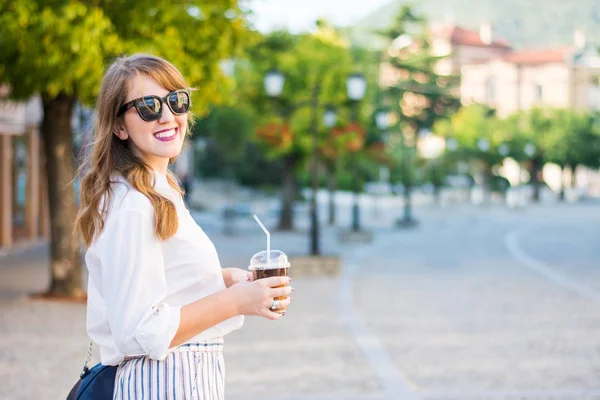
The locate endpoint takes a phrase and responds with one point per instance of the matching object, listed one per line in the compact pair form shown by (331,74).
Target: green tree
(420,95)
(535,126)
(315,67)
(572,140)
(230,128)
(59,49)
(478,134)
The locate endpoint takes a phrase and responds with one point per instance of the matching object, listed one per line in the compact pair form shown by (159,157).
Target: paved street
(475,303)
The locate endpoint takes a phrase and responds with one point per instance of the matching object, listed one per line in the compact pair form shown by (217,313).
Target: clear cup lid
(278,260)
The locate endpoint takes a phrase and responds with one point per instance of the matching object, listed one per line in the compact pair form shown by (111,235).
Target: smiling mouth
(167,134)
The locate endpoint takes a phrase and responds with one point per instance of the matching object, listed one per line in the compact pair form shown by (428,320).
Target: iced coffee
(264,266)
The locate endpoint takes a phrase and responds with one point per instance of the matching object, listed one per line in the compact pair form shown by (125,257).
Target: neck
(158,166)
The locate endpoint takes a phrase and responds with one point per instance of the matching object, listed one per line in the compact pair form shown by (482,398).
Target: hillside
(524,23)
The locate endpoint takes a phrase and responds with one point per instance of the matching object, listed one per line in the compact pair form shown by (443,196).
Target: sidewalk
(445,308)
(24,270)
(46,341)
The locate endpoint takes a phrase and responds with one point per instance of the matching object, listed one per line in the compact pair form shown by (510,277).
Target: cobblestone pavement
(475,303)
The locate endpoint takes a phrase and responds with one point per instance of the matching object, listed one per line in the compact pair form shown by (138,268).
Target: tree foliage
(60,49)
(318,62)
(54,47)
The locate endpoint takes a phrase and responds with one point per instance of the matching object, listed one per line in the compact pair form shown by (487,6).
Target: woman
(159,303)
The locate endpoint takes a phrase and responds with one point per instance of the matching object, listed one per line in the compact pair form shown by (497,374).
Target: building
(460,45)
(519,80)
(464,46)
(23,195)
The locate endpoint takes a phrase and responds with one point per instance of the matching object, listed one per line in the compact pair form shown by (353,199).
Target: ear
(120,131)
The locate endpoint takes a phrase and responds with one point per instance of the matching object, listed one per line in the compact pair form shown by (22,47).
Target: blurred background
(431,168)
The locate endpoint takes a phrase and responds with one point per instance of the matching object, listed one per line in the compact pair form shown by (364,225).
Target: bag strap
(87,360)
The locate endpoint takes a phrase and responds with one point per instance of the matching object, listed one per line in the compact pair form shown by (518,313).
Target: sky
(299,15)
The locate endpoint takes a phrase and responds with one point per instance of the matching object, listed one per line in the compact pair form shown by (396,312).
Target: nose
(166,115)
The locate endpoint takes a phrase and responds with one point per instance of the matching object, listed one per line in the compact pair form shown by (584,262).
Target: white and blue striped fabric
(190,371)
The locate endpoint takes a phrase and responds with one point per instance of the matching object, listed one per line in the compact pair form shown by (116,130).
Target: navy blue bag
(96,383)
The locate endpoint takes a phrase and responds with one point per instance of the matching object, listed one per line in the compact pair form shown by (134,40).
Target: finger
(281,292)
(283,304)
(272,315)
(275,281)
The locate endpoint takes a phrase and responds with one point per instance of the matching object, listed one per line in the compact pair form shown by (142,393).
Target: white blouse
(138,283)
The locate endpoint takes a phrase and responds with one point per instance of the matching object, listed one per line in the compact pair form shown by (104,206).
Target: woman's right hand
(256,297)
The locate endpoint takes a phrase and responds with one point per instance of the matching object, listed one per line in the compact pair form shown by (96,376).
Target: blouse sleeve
(134,286)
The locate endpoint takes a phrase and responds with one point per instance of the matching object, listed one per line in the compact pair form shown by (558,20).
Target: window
(490,90)
(594,97)
(538,92)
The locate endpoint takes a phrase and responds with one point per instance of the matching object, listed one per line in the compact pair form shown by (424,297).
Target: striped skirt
(190,372)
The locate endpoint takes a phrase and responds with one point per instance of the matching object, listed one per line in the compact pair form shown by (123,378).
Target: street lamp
(329,117)
(329,120)
(356,86)
(382,119)
(529,149)
(451,144)
(274,81)
(483,145)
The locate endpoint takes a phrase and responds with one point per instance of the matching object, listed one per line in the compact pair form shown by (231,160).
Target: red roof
(465,37)
(537,56)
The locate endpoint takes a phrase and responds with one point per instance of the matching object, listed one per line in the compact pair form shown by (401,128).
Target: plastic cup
(265,267)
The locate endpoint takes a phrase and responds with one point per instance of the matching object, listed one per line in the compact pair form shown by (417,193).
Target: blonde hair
(110,156)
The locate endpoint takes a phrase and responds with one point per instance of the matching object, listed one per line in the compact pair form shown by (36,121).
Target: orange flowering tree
(341,140)
(277,136)
(314,65)
(378,153)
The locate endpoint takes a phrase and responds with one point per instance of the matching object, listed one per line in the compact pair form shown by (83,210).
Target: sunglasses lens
(179,102)
(149,108)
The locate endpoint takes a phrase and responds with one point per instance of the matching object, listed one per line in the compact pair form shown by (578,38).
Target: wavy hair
(110,156)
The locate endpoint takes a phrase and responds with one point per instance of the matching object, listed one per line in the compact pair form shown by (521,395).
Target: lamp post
(274,81)
(529,150)
(451,144)
(484,145)
(329,117)
(329,120)
(273,85)
(356,86)
(382,119)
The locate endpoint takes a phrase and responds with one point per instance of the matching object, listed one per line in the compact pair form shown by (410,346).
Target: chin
(170,154)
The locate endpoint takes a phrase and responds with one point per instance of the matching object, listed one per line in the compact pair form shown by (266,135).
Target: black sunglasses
(149,108)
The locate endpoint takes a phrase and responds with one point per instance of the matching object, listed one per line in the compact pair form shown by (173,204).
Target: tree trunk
(437,195)
(331,185)
(536,167)
(407,181)
(315,234)
(60,169)
(288,195)
(407,204)
(487,183)
(573,168)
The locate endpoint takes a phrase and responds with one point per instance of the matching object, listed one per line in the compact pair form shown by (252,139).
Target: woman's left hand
(231,276)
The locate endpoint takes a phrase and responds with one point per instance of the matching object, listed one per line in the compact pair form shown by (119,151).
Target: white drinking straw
(268,239)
